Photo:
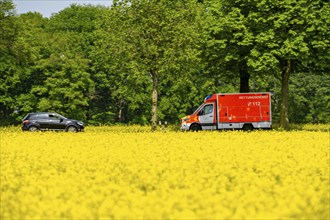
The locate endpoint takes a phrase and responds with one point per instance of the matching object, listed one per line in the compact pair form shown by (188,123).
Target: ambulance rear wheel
(195,127)
(248,127)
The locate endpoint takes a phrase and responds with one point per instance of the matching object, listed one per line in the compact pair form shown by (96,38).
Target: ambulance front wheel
(195,127)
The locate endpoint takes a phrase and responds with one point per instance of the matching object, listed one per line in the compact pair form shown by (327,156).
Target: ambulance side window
(207,109)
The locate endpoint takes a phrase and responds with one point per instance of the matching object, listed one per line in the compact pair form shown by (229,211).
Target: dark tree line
(141,61)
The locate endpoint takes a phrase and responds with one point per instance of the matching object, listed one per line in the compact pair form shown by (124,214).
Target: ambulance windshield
(197,110)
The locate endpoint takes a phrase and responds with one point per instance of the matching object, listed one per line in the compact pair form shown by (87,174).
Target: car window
(52,116)
(32,117)
(29,117)
(207,109)
(43,116)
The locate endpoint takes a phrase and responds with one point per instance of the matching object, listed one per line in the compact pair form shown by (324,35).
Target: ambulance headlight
(186,119)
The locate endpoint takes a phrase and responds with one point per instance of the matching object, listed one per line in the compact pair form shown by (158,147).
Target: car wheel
(248,127)
(72,129)
(33,128)
(195,127)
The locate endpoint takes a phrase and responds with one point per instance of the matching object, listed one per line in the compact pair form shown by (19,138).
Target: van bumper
(185,127)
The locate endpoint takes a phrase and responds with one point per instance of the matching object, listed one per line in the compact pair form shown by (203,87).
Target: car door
(206,117)
(43,120)
(56,122)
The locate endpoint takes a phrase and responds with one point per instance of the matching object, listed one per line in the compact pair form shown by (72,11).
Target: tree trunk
(154,101)
(284,118)
(244,77)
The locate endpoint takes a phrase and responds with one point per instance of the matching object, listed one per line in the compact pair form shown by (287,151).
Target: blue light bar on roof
(207,97)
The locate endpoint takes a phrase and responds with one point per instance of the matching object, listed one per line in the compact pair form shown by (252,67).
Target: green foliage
(102,65)
(66,85)
(147,41)
(310,98)
(18,53)
(270,38)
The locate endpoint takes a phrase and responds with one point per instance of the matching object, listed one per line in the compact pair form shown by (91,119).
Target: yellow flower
(124,172)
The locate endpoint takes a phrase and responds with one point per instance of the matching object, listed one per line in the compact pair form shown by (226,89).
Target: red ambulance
(245,111)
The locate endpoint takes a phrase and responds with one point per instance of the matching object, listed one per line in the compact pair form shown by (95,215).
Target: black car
(50,121)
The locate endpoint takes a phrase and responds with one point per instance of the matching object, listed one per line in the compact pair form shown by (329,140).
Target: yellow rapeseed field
(131,173)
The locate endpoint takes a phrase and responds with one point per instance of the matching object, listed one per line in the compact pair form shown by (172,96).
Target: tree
(32,46)
(285,42)
(66,85)
(159,37)
(310,98)
(19,49)
(119,95)
(271,37)
(231,39)
(8,37)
